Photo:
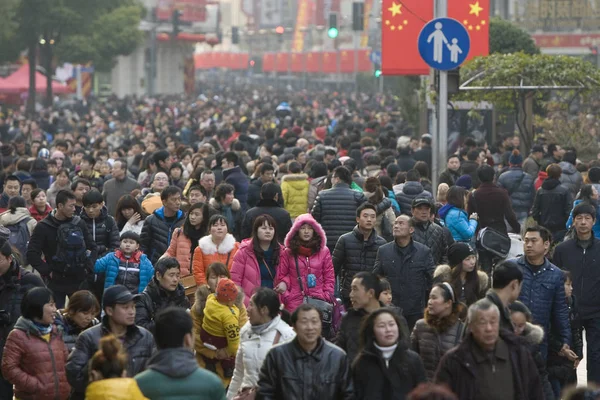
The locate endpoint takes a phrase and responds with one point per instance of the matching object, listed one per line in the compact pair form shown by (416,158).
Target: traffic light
(377,70)
(235,35)
(333,31)
(358,16)
(176,21)
(279,31)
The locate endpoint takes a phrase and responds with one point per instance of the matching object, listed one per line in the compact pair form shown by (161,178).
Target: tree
(506,38)
(515,81)
(9,46)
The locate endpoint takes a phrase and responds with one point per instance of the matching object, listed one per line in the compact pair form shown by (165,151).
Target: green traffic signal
(377,73)
(332,33)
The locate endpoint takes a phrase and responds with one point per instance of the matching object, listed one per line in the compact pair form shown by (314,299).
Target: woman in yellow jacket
(108,375)
(294,187)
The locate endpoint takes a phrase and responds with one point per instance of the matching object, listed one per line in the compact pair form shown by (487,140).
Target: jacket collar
(267,203)
(299,352)
(359,235)
(547,266)
(209,247)
(132,330)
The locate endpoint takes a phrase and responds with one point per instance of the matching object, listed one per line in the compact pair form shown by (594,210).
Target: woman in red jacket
(35,355)
(255,263)
(40,207)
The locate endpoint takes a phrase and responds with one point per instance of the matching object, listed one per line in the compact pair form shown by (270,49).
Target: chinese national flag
(475,16)
(268,62)
(401,23)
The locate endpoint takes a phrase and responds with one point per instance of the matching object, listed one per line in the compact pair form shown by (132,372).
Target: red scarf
(305,251)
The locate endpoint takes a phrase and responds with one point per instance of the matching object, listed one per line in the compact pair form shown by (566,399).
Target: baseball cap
(419,201)
(117,294)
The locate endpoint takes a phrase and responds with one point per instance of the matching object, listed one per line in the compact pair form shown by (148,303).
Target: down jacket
(352,254)
(156,233)
(207,253)
(519,186)
(180,249)
(552,205)
(570,178)
(433,236)
(462,228)
(410,191)
(245,271)
(34,365)
(110,264)
(319,264)
(114,389)
(104,230)
(295,193)
(153,299)
(335,210)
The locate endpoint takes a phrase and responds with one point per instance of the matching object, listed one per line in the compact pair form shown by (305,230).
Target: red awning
(18,82)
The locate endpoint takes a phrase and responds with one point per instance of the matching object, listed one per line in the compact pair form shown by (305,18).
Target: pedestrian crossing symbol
(444,43)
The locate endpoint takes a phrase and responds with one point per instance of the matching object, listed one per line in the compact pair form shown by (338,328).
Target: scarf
(194,235)
(305,251)
(228,214)
(43,329)
(259,329)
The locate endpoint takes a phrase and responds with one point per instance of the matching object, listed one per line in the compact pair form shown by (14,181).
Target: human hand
(576,363)
(474,216)
(135,218)
(221,354)
(281,288)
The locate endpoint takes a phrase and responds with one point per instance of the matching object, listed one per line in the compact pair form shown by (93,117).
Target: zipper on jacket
(56,384)
(582,267)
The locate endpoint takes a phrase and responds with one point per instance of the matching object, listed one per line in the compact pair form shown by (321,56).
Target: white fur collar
(208,247)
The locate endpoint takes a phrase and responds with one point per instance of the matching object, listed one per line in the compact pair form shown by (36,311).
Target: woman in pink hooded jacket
(306,244)
(255,264)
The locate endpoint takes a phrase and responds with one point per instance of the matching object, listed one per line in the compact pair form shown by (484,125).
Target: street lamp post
(47,42)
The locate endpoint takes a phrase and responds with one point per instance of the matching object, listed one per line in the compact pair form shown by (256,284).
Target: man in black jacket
(580,257)
(552,204)
(452,172)
(356,251)
(507,281)
(266,175)
(311,359)
(63,280)
(138,343)
(335,208)
(409,267)
(428,232)
(268,204)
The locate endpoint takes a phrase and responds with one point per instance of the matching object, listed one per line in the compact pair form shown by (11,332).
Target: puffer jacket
(521,194)
(319,264)
(449,177)
(253,350)
(552,205)
(462,228)
(155,298)
(69,329)
(295,193)
(34,365)
(335,210)
(114,389)
(352,254)
(138,343)
(596,227)
(180,248)
(291,373)
(236,212)
(410,191)
(207,253)
(543,293)
(245,271)
(156,233)
(104,230)
(410,276)
(432,337)
(433,236)
(110,264)
(315,187)
(38,216)
(570,178)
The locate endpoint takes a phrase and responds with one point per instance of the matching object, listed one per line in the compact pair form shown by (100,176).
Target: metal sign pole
(442,136)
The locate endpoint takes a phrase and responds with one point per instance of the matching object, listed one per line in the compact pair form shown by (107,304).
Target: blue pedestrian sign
(375,57)
(444,43)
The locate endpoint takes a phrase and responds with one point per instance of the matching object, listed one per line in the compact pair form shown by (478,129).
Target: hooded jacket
(35,365)
(519,186)
(457,220)
(114,389)
(295,193)
(410,191)
(207,253)
(570,178)
(153,299)
(111,264)
(104,230)
(35,214)
(156,233)
(174,374)
(319,264)
(552,205)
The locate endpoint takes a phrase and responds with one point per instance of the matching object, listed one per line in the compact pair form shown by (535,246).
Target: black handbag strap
(299,278)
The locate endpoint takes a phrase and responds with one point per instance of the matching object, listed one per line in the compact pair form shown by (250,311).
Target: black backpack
(19,237)
(71,249)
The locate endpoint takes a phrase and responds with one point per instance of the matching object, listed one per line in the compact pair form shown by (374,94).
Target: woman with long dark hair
(455,217)
(129,215)
(255,264)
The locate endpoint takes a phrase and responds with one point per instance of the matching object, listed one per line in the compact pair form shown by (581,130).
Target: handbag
(324,307)
(494,241)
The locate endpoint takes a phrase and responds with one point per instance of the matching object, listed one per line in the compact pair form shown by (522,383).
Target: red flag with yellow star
(475,16)
(401,23)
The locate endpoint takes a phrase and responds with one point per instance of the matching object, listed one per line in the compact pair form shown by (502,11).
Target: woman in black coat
(385,368)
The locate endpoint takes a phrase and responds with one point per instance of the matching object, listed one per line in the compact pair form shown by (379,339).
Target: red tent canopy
(18,82)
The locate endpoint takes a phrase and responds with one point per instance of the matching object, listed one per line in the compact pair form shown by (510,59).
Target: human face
(48,315)
(308,327)
(122,314)
(26,192)
(534,246)
(568,288)
(5,262)
(83,319)
(208,181)
(469,263)
(176,173)
(213,281)
(226,164)
(519,321)
(437,305)
(359,296)
(421,213)
(196,217)
(402,228)
(366,220)
(85,166)
(12,188)
(170,279)
(267,176)
(118,171)
(127,213)
(161,181)
(306,232)
(386,330)
(59,161)
(386,297)
(196,196)
(218,230)
(129,246)
(301,158)
(228,199)
(52,169)
(80,191)
(485,328)
(67,209)
(62,180)
(453,164)
(256,315)
(583,224)
(173,202)
(516,142)
(265,232)
(93,210)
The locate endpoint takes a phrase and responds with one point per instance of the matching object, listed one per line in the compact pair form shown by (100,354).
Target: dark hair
(506,272)
(258,251)
(423,169)
(486,173)
(31,182)
(14,178)
(294,167)
(160,155)
(39,164)
(554,171)
(187,225)
(217,218)
(343,174)
(265,297)
(164,264)
(230,156)
(83,301)
(128,201)
(169,191)
(518,306)
(265,167)
(79,181)
(470,288)
(451,156)
(570,157)
(431,391)
(412,175)
(16,202)
(545,234)
(365,206)
(5,248)
(473,155)
(367,334)
(318,169)
(218,269)
(110,360)
(269,190)
(567,275)
(89,159)
(36,192)
(130,235)
(63,196)
(305,307)
(370,281)
(171,324)
(222,190)
(32,305)
(586,193)
(385,285)
(456,196)
(92,197)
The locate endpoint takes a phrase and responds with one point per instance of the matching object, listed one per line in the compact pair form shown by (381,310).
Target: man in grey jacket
(119,185)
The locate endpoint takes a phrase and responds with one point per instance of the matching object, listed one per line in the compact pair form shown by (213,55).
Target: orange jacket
(207,253)
(179,248)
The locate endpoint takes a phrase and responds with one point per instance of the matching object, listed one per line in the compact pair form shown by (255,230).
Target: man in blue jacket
(543,288)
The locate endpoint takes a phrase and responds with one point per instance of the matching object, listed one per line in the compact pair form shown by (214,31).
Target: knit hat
(226,291)
(584,208)
(465,181)
(515,158)
(457,252)
(594,175)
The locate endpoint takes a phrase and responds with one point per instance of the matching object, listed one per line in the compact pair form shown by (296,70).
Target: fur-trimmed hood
(306,219)
(235,205)
(533,334)
(442,325)
(294,177)
(443,272)
(208,247)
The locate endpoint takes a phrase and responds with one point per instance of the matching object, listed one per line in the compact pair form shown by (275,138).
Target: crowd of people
(271,245)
